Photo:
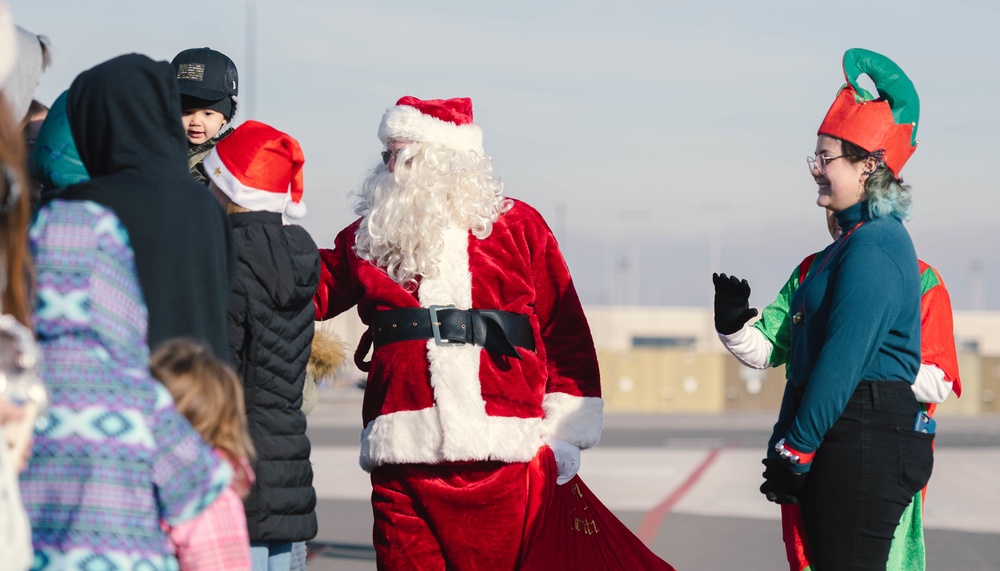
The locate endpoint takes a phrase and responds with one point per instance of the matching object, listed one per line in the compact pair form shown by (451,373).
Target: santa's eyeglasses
(387,155)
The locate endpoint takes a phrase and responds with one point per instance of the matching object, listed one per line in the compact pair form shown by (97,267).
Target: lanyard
(798,317)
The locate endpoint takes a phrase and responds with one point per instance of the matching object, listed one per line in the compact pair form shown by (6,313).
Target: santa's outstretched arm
(574,410)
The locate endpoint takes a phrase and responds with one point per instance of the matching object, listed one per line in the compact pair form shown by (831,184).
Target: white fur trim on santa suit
(418,437)
(457,427)
(573,419)
(253,199)
(405,123)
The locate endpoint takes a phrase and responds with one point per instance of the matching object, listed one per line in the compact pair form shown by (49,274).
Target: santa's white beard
(404,214)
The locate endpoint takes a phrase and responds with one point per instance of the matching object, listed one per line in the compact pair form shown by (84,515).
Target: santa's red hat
(259,168)
(887,124)
(446,122)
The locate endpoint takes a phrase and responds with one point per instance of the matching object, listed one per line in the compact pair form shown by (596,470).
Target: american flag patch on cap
(191,71)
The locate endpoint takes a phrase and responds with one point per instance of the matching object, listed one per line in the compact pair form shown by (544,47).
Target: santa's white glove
(567,459)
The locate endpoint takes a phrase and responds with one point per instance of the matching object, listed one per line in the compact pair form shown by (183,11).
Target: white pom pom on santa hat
(446,122)
(296,210)
(259,168)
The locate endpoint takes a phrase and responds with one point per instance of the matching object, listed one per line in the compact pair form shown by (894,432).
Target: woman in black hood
(125,117)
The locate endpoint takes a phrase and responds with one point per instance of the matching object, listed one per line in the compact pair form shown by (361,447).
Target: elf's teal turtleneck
(855,317)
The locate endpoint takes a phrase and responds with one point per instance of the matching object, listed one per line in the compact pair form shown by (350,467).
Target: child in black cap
(208,83)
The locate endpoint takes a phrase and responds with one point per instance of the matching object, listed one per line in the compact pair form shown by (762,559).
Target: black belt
(492,329)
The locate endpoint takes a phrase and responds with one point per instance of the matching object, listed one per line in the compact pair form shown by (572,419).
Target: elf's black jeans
(865,473)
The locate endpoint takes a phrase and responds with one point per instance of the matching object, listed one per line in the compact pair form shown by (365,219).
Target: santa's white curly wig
(404,213)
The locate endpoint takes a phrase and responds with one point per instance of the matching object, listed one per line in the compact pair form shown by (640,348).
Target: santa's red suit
(449,430)
(426,403)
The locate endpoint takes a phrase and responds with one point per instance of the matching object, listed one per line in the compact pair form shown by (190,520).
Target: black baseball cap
(204,73)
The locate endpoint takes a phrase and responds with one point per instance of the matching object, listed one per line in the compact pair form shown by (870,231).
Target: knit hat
(207,79)
(19,89)
(260,169)
(8,46)
(446,122)
(886,125)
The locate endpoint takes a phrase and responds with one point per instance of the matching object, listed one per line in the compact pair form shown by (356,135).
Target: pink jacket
(218,538)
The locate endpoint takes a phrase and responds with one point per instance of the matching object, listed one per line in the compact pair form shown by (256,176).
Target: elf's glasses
(818,163)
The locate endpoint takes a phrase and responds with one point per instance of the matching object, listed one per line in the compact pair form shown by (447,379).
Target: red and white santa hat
(446,122)
(259,168)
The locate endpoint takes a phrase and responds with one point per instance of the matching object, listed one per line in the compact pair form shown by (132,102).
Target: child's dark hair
(208,392)
(37,107)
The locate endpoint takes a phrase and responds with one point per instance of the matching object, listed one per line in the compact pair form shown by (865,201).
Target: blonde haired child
(209,394)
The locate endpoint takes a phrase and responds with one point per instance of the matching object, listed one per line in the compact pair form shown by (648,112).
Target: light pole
(250,77)
(715,211)
(560,224)
(633,265)
(977,283)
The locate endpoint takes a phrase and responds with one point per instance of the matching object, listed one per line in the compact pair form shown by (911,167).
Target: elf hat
(887,124)
(260,169)
(446,122)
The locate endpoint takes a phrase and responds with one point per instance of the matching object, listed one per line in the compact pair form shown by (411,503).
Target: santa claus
(483,359)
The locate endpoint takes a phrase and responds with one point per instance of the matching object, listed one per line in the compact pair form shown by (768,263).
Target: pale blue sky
(641,121)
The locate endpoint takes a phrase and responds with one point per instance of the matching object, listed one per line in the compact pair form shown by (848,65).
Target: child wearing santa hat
(256,174)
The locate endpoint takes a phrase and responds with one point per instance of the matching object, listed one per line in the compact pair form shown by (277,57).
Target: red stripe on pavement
(654,518)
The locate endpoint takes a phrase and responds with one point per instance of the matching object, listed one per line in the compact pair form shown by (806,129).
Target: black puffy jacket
(270,332)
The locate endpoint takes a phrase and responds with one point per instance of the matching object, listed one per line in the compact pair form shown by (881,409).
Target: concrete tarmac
(687,485)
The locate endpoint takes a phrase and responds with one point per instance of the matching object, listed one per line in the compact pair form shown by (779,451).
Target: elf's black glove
(732,303)
(781,485)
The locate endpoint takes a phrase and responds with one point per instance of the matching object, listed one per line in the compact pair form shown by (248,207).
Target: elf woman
(845,445)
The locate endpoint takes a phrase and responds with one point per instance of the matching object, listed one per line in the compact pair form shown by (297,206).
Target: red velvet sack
(569,528)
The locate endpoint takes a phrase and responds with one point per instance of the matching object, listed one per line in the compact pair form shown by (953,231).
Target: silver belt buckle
(436,326)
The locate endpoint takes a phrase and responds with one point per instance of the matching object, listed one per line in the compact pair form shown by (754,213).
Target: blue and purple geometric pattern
(112,457)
